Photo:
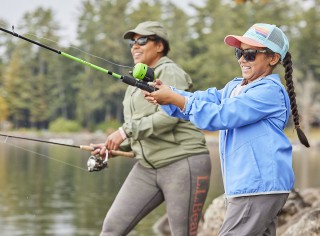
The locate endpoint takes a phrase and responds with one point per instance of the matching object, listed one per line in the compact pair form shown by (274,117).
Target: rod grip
(112,152)
(140,84)
(121,153)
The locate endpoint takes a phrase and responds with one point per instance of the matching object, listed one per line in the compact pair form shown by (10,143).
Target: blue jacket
(255,154)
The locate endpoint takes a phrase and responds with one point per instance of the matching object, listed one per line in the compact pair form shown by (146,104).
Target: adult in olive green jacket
(173,159)
(156,138)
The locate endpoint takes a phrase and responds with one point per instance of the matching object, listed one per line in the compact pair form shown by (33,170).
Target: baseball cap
(262,35)
(148,28)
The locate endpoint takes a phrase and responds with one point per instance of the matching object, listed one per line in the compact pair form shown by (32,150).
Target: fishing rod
(142,74)
(94,163)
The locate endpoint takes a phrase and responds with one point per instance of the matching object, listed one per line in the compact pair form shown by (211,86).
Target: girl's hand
(161,96)
(164,95)
(148,96)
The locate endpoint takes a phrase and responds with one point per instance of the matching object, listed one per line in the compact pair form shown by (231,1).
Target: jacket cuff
(124,131)
(188,105)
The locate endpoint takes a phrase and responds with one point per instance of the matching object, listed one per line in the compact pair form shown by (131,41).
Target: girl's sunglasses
(140,41)
(248,54)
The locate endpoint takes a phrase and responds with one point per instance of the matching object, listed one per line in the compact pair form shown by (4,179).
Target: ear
(160,47)
(275,59)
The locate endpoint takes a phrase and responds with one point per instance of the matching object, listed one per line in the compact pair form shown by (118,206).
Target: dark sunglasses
(140,41)
(248,54)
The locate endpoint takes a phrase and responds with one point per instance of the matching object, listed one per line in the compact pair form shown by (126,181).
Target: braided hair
(287,64)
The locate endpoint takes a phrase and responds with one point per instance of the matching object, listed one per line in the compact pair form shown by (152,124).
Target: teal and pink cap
(262,35)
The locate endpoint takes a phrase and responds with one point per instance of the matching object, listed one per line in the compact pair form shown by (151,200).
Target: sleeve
(256,103)
(211,95)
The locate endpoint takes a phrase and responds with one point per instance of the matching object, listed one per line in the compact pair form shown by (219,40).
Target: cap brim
(129,34)
(235,41)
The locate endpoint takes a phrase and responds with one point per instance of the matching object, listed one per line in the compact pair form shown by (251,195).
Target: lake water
(46,189)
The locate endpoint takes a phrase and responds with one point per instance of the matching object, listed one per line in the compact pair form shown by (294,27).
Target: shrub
(62,125)
(108,126)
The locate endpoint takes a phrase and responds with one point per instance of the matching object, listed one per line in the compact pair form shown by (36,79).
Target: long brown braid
(287,64)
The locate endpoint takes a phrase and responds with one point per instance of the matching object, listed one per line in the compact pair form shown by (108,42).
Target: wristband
(122,133)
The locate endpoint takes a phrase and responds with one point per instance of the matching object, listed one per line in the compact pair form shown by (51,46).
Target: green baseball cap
(148,28)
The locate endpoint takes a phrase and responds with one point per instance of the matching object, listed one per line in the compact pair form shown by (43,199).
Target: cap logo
(261,31)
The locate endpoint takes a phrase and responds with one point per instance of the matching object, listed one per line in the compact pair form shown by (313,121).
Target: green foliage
(100,33)
(108,126)
(17,92)
(62,125)
(3,110)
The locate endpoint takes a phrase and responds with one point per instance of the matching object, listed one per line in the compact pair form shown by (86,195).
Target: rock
(311,196)
(308,225)
(292,211)
(213,217)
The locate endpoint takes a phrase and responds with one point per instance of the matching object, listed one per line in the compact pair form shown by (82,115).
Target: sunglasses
(140,41)
(248,54)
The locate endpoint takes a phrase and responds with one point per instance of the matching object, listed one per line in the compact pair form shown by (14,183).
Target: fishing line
(42,155)
(71,46)
(82,51)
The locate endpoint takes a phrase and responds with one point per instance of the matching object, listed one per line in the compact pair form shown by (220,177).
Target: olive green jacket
(156,138)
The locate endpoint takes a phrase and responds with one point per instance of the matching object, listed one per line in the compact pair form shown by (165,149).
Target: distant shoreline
(85,138)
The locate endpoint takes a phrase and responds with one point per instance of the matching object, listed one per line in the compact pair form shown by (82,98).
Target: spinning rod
(142,74)
(82,147)
(94,163)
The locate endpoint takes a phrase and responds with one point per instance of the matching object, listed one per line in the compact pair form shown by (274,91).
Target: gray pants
(253,215)
(183,185)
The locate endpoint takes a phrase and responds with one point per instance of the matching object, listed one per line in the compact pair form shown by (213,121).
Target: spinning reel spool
(97,162)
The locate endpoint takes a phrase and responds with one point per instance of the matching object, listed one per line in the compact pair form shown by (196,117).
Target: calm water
(46,190)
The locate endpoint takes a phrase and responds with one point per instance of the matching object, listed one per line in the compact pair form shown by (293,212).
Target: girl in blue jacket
(251,113)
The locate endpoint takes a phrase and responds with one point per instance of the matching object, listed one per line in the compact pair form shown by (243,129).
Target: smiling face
(262,66)
(149,53)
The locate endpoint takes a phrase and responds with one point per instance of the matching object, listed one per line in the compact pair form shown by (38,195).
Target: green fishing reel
(143,72)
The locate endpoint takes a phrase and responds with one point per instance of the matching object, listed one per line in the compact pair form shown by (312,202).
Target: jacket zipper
(144,157)
(224,176)
(131,109)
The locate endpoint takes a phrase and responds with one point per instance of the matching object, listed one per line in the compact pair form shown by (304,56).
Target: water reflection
(47,190)
(42,195)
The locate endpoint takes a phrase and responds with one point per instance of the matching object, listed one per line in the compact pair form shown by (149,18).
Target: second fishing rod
(142,74)
(94,163)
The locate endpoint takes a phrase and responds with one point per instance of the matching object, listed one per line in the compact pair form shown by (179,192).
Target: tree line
(38,87)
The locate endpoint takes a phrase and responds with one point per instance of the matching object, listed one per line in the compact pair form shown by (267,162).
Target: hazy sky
(66,12)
